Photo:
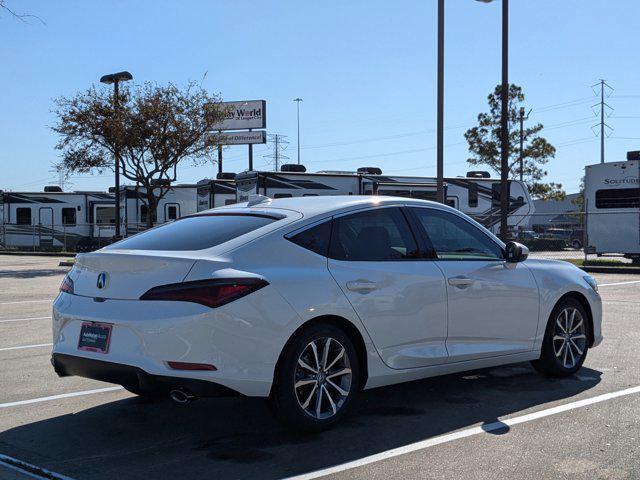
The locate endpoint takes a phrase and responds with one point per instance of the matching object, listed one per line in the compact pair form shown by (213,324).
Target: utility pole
(604,109)
(522,118)
(279,144)
(440,113)
(504,125)
(298,100)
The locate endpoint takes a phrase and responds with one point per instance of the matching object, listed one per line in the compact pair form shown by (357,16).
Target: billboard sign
(237,138)
(243,115)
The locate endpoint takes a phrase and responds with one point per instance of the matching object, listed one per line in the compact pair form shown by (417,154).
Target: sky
(366,71)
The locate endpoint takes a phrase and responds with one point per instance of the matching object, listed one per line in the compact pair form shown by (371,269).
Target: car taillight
(211,293)
(66,285)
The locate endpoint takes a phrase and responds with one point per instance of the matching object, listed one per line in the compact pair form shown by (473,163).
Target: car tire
(566,340)
(298,382)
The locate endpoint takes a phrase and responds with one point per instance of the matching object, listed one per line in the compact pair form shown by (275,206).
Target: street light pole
(440,114)
(298,100)
(115,79)
(504,124)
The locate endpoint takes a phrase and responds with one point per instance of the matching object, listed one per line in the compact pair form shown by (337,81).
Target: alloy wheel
(322,378)
(569,337)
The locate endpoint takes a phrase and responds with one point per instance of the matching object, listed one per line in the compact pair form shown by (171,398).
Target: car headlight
(591,281)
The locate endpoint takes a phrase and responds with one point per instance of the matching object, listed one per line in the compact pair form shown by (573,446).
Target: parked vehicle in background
(477,194)
(576,240)
(179,201)
(364,291)
(526,235)
(216,193)
(557,233)
(612,202)
(56,220)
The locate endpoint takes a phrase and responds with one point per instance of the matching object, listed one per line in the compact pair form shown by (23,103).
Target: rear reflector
(211,293)
(190,366)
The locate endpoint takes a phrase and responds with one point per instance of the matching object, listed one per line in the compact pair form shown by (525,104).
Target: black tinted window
(68,216)
(618,198)
(315,238)
(473,195)
(23,216)
(453,238)
(194,233)
(375,235)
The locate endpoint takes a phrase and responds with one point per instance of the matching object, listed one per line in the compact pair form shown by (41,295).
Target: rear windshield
(194,233)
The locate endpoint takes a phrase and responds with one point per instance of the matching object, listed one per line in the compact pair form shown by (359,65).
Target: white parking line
(30,470)
(57,397)
(618,283)
(26,346)
(8,320)
(26,301)
(431,442)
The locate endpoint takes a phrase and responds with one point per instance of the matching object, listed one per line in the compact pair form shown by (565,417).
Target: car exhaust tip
(181,396)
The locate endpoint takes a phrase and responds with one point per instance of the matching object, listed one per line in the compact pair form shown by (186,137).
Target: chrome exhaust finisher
(181,396)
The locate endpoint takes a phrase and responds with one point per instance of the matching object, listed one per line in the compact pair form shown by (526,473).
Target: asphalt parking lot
(506,422)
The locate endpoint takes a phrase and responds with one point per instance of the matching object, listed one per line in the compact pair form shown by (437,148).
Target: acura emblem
(102,280)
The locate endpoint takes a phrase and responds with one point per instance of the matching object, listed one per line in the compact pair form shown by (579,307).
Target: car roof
(325,205)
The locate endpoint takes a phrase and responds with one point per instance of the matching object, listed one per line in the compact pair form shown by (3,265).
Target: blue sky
(365,69)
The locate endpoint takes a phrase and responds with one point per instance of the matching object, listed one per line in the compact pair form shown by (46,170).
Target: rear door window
(377,235)
(195,233)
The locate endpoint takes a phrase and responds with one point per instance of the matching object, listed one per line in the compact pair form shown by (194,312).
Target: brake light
(211,293)
(67,285)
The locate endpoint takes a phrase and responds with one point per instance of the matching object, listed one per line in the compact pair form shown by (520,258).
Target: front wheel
(316,379)
(566,340)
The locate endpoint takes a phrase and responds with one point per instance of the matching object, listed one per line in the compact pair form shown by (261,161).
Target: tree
(484,144)
(155,128)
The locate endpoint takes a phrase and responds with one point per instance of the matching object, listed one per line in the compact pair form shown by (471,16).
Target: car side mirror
(515,252)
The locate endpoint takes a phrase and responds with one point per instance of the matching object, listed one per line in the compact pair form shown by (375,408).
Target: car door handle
(361,286)
(460,281)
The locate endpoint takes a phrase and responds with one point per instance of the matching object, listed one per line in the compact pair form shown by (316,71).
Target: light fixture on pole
(504,121)
(440,109)
(115,79)
(298,100)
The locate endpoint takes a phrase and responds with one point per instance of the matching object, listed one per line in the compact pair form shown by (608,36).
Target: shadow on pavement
(31,273)
(238,438)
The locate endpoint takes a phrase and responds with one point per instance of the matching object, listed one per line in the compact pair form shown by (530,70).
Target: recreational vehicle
(216,193)
(56,220)
(477,195)
(612,203)
(179,201)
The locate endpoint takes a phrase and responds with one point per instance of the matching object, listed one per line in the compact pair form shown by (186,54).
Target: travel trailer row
(84,221)
(612,206)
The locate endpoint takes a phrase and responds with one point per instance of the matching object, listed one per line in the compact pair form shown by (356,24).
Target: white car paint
(403,325)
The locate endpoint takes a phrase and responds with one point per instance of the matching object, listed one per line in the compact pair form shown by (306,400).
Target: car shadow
(238,437)
(31,273)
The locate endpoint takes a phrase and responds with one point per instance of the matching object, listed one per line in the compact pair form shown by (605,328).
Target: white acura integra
(309,300)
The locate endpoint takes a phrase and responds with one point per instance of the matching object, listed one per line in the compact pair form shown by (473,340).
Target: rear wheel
(566,340)
(316,379)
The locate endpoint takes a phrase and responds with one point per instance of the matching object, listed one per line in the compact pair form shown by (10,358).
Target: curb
(624,270)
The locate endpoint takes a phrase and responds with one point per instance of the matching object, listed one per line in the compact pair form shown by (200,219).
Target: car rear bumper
(134,378)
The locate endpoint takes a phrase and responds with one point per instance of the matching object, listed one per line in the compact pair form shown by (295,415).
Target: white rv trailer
(56,220)
(476,196)
(179,201)
(216,193)
(612,203)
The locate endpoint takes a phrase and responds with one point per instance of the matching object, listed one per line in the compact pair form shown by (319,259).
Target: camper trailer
(179,201)
(477,195)
(612,203)
(216,193)
(56,220)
